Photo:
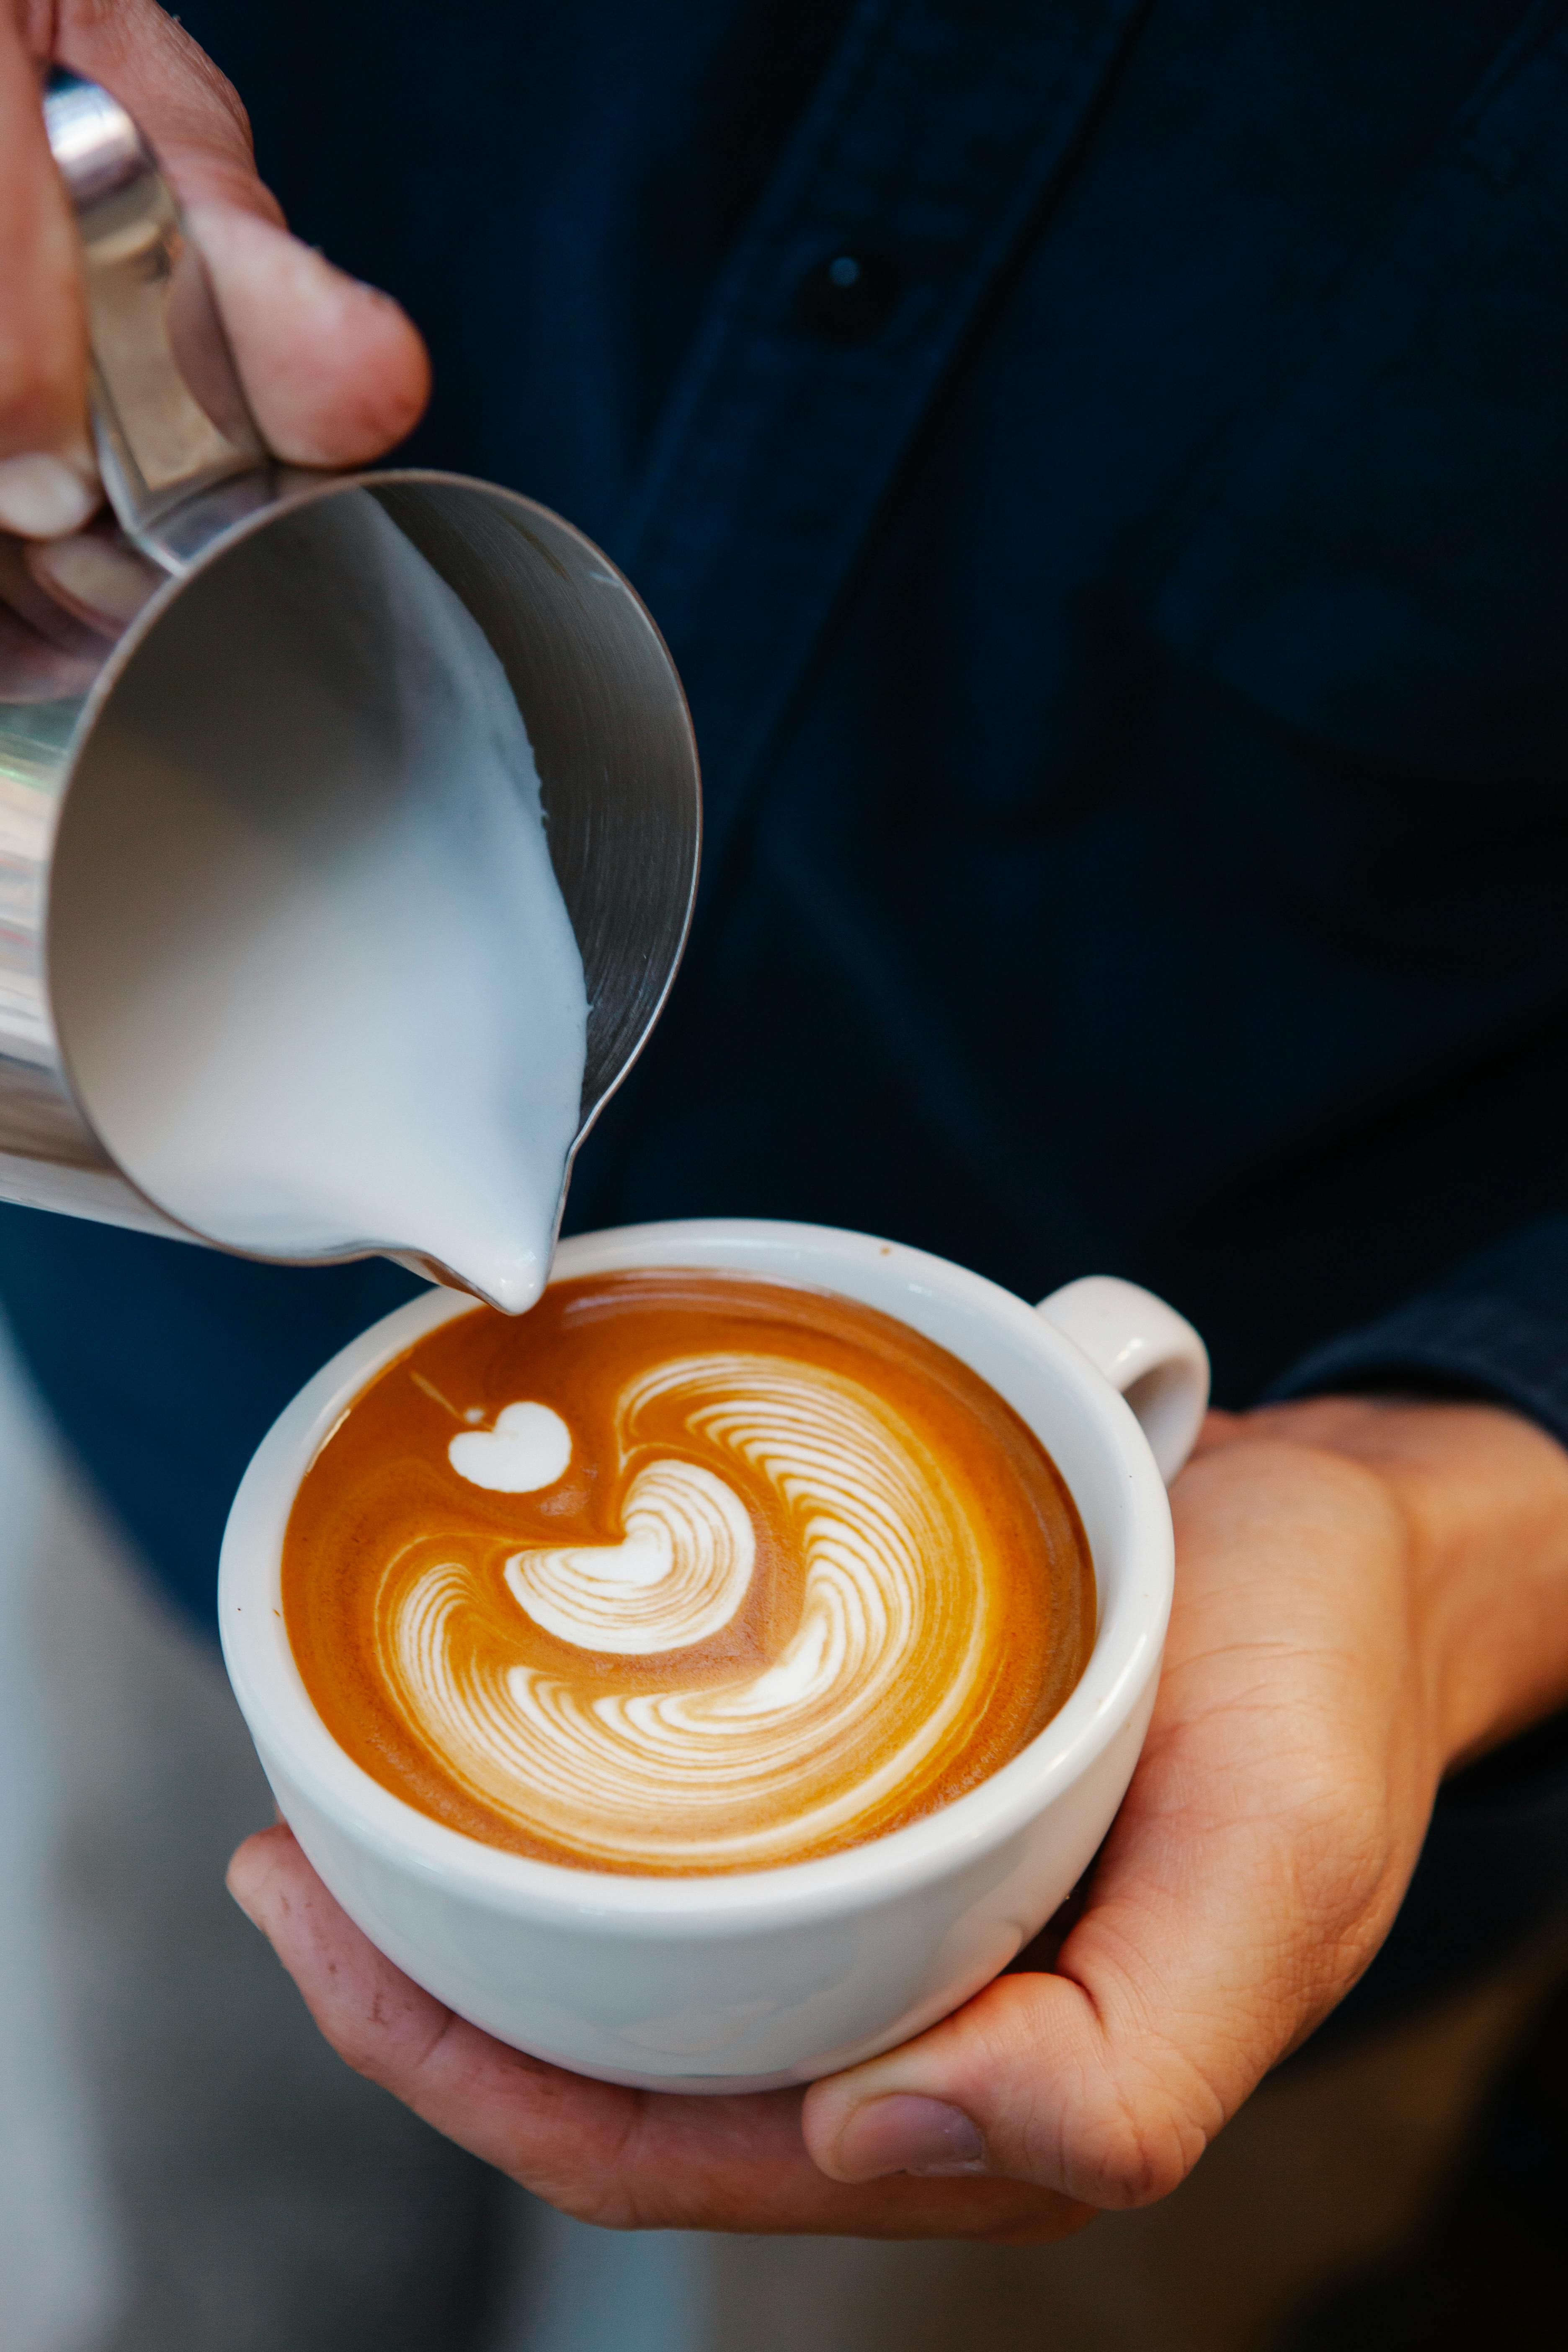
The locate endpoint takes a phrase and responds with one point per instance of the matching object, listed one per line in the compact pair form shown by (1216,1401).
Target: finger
(334,372)
(93,576)
(34,668)
(32,602)
(47,482)
(62,603)
(619,2157)
(47,652)
(387,2028)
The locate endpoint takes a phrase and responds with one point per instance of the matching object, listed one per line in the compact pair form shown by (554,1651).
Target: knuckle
(1130,2130)
(1119,2123)
(583,2200)
(1134,2157)
(604,2190)
(1347,1870)
(184,101)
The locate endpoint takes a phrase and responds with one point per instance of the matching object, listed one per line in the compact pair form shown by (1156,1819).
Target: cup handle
(1146,1351)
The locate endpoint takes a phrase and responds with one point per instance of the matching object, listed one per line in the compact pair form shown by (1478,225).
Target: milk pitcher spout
(340,890)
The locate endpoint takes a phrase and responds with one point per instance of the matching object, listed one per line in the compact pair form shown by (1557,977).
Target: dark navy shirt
(1102,470)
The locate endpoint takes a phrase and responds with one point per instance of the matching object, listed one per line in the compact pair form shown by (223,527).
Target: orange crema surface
(683,1572)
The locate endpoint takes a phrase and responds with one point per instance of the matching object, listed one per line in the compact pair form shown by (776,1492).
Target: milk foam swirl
(863,1700)
(680,1575)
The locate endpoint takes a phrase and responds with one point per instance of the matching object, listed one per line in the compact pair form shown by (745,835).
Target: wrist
(1482,1494)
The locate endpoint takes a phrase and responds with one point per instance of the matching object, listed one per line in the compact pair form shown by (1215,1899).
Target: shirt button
(850,295)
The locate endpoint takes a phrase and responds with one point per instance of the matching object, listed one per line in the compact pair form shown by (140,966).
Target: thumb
(1254,1868)
(334,372)
(1026,2083)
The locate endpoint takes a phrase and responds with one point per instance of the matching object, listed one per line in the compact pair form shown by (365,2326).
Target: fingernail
(43,496)
(905,2133)
(95,574)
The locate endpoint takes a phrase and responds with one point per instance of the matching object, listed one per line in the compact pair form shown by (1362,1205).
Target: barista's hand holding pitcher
(1367,1593)
(334,372)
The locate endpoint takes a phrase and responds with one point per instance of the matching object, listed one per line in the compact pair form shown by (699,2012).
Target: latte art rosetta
(770,1610)
(893,1628)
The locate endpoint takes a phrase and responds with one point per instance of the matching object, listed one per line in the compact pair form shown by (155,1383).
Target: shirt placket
(935,143)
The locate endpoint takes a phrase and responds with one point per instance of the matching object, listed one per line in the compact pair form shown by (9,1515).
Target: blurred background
(184,2168)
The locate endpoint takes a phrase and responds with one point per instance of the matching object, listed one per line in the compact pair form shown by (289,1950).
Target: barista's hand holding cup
(1336,1643)
(716,1675)
(333,370)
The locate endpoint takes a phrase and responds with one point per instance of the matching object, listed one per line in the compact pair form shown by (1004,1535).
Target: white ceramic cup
(753,1980)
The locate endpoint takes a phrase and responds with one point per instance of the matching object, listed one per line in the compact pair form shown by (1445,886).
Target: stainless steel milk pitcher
(196,492)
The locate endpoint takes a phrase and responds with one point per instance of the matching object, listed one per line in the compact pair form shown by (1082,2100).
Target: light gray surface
(571,2288)
(58,2260)
(268,2200)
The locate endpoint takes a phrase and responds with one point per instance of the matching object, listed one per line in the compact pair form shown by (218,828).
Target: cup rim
(272,1697)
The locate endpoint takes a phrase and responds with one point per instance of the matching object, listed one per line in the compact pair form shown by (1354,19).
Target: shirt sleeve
(1496,1326)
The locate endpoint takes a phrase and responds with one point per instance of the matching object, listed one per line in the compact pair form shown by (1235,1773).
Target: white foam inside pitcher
(315,984)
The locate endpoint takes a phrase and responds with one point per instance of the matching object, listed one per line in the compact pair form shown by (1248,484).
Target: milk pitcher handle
(179,452)
(1146,1349)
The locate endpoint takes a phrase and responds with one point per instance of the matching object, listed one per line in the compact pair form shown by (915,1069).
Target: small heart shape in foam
(529,1447)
